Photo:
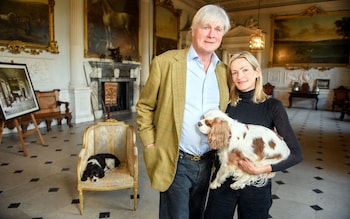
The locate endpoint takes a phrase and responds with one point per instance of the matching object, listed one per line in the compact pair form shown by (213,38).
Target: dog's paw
(236,186)
(215,185)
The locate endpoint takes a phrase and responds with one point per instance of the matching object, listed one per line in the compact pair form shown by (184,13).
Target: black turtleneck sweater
(271,114)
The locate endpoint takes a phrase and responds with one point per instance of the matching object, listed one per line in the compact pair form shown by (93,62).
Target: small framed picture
(17,96)
(322,83)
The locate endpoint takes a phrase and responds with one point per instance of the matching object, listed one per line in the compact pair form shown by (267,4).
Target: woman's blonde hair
(259,94)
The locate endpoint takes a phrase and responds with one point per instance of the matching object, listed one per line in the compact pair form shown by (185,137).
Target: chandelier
(257,39)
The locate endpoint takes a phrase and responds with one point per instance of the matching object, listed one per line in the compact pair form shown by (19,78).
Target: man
(182,86)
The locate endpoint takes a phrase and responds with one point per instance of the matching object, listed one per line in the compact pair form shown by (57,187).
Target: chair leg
(81,201)
(135,198)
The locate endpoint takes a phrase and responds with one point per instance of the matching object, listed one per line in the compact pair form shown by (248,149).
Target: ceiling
(241,5)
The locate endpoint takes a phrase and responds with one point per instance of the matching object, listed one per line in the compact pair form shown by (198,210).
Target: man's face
(207,37)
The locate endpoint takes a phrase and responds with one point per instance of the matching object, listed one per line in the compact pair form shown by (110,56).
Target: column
(78,89)
(146,41)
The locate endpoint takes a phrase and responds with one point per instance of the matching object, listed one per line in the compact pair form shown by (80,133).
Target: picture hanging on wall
(111,25)
(313,38)
(17,97)
(167,23)
(27,26)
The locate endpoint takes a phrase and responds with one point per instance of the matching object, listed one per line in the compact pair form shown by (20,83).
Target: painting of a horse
(113,24)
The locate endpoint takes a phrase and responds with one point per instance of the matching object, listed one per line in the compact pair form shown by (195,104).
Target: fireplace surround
(126,74)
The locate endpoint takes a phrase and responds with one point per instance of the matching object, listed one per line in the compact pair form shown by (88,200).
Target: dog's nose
(199,124)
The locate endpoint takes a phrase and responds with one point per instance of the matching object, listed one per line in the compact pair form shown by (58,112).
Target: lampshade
(257,40)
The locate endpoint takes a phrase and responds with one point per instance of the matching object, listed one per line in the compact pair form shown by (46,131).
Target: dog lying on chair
(98,164)
(235,141)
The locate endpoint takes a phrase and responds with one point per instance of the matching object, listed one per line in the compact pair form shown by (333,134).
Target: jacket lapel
(178,73)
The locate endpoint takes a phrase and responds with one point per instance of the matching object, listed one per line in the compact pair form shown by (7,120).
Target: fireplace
(125,75)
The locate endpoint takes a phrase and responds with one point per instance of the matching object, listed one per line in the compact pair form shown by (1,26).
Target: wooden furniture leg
(2,126)
(22,135)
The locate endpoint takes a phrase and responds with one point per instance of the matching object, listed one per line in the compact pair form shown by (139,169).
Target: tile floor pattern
(43,185)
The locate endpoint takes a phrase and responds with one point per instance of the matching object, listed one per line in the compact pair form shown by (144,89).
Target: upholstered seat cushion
(119,176)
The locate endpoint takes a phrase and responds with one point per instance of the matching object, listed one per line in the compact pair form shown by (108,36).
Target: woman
(249,104)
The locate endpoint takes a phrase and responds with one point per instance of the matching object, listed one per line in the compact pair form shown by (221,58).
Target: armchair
(268,88)
(113,137)
(341,95)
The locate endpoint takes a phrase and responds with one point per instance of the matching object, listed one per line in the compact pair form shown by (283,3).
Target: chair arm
(136,153)
(59,103)
(81,164)
(135,167)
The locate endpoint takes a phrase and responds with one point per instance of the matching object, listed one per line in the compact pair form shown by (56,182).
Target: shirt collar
(192,55)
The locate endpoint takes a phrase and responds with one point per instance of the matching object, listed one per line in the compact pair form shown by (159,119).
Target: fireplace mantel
(126,74)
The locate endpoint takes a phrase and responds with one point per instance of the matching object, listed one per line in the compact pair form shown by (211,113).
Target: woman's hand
(247,166)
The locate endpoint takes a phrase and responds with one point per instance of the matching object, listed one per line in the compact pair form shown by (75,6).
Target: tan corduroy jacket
(160,111)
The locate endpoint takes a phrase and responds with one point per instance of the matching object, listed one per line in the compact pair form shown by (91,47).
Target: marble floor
(43,184)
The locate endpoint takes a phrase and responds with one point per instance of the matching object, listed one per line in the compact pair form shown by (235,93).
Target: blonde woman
(249,104)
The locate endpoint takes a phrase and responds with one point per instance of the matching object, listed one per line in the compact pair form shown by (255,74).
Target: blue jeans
(185,198)
(252,202)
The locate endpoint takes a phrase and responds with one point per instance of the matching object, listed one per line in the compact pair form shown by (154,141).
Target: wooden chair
(268,89)
(113,137)
(50,108)
(340,96)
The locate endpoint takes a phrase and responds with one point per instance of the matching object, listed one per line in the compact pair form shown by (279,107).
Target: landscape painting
(313,37)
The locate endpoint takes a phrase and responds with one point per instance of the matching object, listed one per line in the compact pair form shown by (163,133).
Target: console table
(310,95)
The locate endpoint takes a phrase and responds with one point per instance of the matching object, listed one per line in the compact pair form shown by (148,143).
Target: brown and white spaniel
(235,141)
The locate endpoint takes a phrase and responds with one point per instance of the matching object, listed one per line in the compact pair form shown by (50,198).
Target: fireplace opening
(122,100)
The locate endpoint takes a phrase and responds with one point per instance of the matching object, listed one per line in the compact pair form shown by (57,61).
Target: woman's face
(243,74)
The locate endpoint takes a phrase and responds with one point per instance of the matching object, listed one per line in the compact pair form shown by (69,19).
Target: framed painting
(322,83)
(167,25)
(27,26)
(111,25)
(17,96)
(313,38)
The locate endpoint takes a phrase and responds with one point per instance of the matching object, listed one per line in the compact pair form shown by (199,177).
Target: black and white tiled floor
(43,185)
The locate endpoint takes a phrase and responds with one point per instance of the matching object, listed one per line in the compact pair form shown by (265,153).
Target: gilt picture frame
(166,26)
(322,83)
(27,26)
(111,25)
(313,38)
(17,96)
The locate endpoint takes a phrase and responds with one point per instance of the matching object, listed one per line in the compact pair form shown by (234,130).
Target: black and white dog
(98,164)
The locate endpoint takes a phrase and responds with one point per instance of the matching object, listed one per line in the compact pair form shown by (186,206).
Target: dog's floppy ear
(219,134)
(101,173)
(85,176)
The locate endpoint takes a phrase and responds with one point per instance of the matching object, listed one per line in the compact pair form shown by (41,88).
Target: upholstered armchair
(113,137)
(340,96)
